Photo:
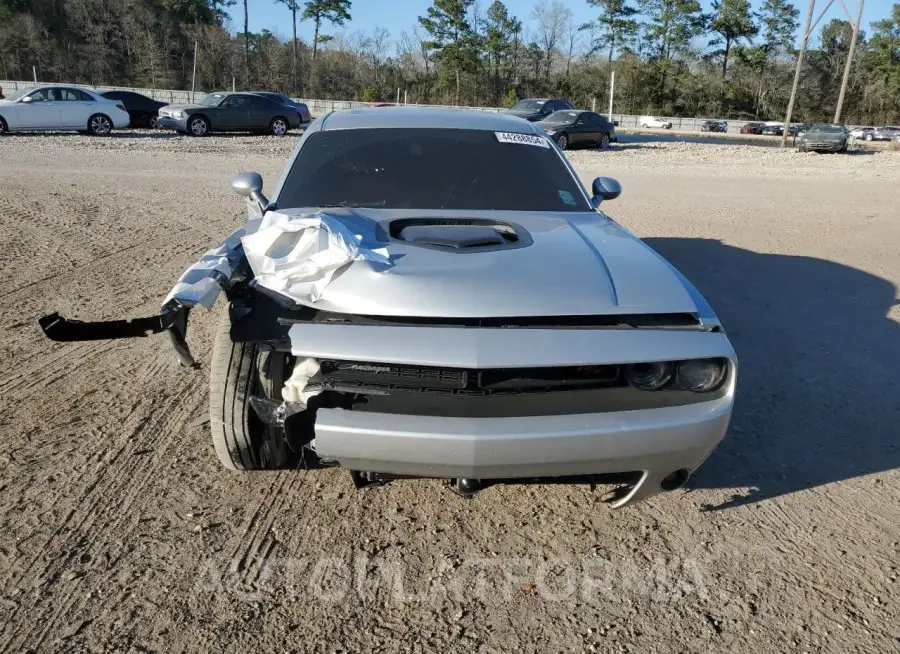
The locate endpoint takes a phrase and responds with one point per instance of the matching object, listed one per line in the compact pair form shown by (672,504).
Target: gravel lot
(119,530)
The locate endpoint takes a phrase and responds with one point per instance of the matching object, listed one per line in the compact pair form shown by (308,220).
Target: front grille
(382,377)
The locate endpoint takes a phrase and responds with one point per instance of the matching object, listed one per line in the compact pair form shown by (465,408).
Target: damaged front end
(221,268)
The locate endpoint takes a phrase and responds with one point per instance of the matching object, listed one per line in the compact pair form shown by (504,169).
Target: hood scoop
(459,234)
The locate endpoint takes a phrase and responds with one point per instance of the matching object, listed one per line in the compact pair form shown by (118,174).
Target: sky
(399,15)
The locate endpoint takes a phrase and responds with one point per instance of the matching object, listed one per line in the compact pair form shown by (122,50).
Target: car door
(598,126)
(261,112)
(39,110)
(75,108)
(233,113)
(581,130)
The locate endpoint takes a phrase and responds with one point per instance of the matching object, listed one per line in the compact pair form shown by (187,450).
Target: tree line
(669,56)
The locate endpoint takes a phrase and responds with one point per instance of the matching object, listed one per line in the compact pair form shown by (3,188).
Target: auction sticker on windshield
(522,139)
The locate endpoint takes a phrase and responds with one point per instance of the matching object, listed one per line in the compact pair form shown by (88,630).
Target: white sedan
(57,108)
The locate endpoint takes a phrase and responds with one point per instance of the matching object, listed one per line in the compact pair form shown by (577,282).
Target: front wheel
(239,371)
(4,128)
(604,142)
(198,126)
(869,137)
(99,125)
(562,141)
(153,123)
(279,126)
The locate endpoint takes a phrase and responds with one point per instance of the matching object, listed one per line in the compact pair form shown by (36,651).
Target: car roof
(65,86)
(422,117)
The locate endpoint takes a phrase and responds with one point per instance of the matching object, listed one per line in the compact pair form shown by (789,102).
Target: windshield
(415,168)
(836,129)
(212,99)
(529,105)
(562,117)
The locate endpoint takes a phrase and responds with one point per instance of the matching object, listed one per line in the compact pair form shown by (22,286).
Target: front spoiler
(172,318)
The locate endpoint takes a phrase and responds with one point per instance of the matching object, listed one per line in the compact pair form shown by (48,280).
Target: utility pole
(850,54)
(194,76)
(612,90)
(807,29)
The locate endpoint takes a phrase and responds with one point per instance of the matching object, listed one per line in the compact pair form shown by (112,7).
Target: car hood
(180,107)
(825,136)
(527,115)
(552,126)
(576,264)
(6,103)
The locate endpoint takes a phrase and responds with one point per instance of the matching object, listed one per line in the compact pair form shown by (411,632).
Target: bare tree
(572,40)
(552,17)
(293,6)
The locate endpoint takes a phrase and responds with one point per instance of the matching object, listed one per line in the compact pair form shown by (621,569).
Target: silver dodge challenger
(433,293)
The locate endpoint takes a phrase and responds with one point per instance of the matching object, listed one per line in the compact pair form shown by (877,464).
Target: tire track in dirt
(104,508)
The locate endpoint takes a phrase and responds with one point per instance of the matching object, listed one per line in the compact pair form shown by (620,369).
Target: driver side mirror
(28,98)
(605,188)
(250,185)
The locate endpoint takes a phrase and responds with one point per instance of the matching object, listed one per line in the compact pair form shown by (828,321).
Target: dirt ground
(119,531)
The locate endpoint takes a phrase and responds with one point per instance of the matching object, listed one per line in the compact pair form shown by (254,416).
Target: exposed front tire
(99,125)
(4,128)
(153,123)
(239,371)
(562,141)
(604,142)
(279,126)
(198,126)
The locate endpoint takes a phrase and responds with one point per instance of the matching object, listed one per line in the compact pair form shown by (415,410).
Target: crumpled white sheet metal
(305,374)
(297,256)
(201,283)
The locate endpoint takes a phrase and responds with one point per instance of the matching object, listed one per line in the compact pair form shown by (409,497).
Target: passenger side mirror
(28,98)
(605,188)
(250,185)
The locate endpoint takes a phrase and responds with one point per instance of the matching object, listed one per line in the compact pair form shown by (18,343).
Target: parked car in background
(795,129)
(751,128)
(714,126)
(772,129)
(579,128)
(538,108)
(300,107)
(62,108)
(230,112)
(824,137)
(653,121)
(862,132)
(883,133)
(144,111)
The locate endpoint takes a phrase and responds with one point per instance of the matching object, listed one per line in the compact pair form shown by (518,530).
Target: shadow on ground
(818,389)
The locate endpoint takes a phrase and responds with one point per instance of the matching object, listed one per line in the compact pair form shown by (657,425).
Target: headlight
(701,375)
(649,376)
(178,114)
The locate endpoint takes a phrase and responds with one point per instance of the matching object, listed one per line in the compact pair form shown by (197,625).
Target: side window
(235,102)
(260,103)
(582,119)
(43,95)
(73,95)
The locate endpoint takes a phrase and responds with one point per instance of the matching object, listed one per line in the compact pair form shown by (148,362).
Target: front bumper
(652,442)
(179,124)
(825,146)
